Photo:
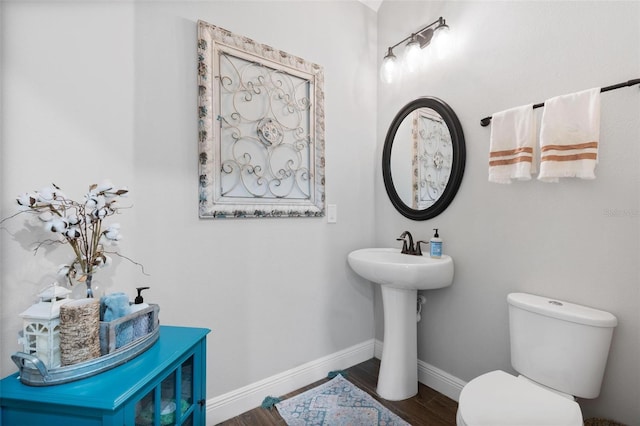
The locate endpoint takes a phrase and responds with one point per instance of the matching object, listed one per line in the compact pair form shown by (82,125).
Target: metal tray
(33,372)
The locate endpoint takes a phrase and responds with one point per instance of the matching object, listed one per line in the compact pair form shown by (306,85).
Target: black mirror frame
(457,167)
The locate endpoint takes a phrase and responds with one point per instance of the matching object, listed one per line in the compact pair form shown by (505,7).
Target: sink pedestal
(398,377)
(400,277)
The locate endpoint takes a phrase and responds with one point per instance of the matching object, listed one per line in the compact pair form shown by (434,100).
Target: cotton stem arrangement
(79,224)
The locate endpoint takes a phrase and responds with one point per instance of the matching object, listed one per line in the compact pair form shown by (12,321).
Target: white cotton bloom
(72,233)
(102,201)
(94,201)
(49,194)
(114,193)
(73,219)
(56,225)
(111,235)
(100,213)
(113,232)
(105,185)
(98,262)
(46,194)
(102,261)
(27,199)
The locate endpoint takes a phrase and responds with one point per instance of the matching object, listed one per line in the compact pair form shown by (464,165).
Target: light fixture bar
(420,33)
(416,41)
(424,37)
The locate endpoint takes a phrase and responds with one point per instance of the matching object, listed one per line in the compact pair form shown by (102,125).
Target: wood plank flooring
(428,408)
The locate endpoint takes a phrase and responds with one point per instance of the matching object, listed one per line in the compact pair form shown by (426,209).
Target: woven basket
(79,331)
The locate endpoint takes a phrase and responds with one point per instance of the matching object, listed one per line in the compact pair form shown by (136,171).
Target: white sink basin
(389,267)
(400,277)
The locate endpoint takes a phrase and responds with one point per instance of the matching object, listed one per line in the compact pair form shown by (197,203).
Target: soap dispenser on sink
(435,245)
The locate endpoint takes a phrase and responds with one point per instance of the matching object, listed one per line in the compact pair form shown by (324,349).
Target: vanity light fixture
(436,33)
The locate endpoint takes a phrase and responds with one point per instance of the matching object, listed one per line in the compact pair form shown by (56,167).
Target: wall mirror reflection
(423,158)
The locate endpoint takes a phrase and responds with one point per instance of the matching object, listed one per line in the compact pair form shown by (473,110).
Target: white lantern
(40,330)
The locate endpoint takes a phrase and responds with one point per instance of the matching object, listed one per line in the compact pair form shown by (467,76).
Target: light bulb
(389,68)
(412,55)
(442,42)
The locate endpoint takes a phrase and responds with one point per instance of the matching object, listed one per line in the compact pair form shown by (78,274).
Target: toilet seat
(500,399)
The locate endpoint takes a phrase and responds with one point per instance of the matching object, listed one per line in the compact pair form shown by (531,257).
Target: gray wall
(95,90)
(576,240)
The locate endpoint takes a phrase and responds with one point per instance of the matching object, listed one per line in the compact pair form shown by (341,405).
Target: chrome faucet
(407,244)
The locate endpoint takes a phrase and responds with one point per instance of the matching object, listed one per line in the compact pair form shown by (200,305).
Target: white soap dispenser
(435,245)
(141,324)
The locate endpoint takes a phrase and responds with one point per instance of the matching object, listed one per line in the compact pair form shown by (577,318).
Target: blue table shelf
(166,385)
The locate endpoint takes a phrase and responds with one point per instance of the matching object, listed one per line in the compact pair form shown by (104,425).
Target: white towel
(569,136)
(513,135)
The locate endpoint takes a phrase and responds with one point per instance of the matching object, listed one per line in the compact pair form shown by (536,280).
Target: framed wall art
(260,129)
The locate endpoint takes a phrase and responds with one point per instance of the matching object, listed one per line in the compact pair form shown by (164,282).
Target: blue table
(164,385)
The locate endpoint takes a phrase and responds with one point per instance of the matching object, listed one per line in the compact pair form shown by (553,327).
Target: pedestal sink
(400,276)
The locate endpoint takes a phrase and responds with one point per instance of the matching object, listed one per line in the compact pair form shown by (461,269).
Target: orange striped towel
(569,136)
(513,136)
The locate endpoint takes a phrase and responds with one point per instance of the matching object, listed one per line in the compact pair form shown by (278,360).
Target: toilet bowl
(500,399)
(552,372)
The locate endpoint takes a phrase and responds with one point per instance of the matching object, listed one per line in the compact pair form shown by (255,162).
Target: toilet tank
(559,344)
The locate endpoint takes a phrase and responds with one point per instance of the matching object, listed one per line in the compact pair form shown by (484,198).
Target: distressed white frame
(212,41)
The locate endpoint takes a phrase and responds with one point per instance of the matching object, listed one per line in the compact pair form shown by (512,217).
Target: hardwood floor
(428,408)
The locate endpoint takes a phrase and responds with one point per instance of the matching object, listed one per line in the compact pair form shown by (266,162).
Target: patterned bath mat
(336,403)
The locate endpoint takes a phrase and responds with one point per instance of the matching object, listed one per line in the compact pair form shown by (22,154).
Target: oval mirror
(423,158)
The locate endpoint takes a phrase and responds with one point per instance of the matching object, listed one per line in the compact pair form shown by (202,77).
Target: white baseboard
(231,404)
(439,380)
(433,377)
(378,348)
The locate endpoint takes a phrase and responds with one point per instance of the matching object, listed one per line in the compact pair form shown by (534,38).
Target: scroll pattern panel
(261,129)
(432,159)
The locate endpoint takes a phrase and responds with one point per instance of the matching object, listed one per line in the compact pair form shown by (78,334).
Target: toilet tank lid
(562,310)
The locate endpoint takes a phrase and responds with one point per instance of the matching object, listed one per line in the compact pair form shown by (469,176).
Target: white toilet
(560,349)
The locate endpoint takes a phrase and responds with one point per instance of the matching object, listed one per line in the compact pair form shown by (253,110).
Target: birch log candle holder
(79,331)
